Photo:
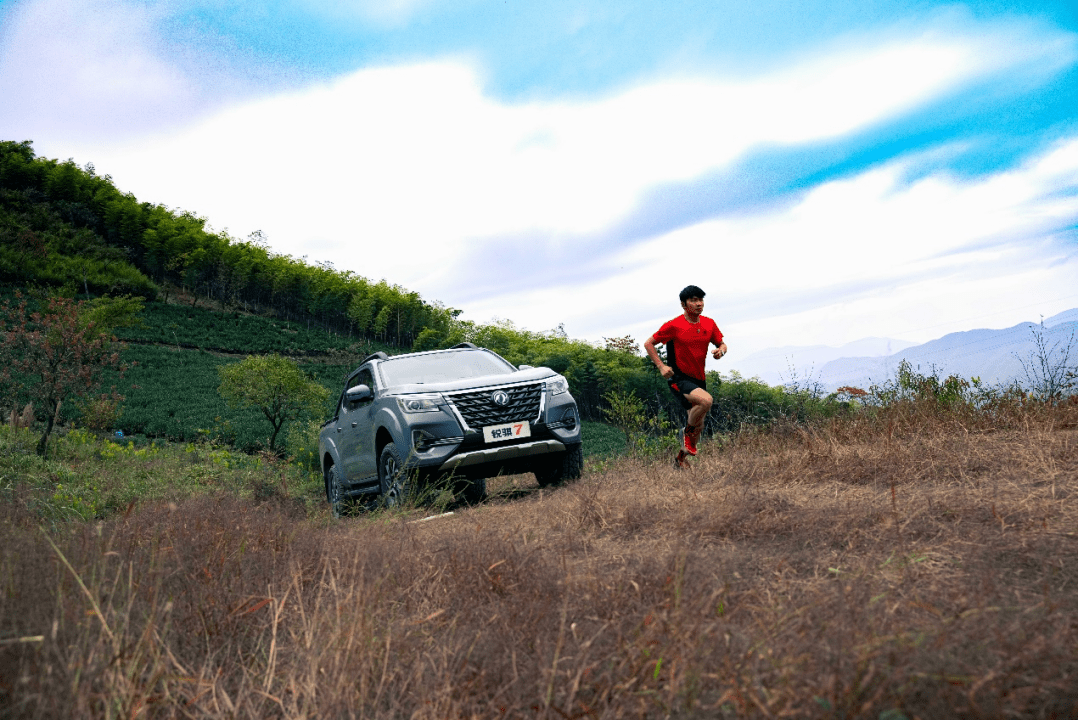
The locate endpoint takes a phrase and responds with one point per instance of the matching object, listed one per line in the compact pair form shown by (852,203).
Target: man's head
(691,291)
(692,300)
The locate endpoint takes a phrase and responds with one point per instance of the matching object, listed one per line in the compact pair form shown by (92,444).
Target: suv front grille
(479,409)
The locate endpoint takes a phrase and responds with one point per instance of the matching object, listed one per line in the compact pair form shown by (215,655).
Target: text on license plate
(508,431)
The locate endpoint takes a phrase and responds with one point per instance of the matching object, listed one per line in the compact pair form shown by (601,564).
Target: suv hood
(534,374)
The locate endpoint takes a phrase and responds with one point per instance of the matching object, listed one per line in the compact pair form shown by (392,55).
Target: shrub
(54,355)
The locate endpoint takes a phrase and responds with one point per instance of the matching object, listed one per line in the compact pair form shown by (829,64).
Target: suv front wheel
(394,481)
(562,466)
(473,491)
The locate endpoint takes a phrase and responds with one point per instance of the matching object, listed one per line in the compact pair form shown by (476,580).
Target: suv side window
(364,377)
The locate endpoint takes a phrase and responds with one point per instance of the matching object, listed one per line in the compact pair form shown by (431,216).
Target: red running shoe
(681,461)
(687,440)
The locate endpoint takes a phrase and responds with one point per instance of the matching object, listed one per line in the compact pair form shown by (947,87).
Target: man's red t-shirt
(687,344)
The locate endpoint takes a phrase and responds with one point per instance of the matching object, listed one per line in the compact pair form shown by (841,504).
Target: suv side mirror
(524,367)
(358,393)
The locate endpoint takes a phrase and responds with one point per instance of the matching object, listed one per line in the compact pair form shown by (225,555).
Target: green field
(601,440)
(172,394)
(170,388)
(184,326)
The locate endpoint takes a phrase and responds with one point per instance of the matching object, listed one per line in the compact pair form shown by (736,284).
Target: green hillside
(212,299)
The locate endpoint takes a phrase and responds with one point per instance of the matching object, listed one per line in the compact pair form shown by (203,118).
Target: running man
(687,338)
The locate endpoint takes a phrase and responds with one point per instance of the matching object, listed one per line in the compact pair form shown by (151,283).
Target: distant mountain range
(995,356)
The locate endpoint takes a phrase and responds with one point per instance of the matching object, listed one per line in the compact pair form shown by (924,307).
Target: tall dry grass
(904,564)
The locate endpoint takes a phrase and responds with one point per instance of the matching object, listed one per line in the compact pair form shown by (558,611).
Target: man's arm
(719,351)
(665,370)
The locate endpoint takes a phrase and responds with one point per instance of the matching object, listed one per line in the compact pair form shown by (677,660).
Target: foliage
(276,386)
(62,225)
(645,434)
(622,344)
(301,443)
(54,355)
(113,313)
(626,413)
(909,385)
(1051,372)
(102,413)
(91,477)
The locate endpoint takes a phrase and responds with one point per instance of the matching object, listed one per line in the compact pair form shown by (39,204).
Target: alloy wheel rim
(336,494)
(334,490)
(389,469)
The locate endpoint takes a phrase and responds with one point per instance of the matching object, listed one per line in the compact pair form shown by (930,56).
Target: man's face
(693,306)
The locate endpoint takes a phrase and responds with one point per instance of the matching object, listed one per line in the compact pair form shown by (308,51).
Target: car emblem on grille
(500,397)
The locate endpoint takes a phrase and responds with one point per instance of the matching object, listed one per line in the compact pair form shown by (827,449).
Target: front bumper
(501,454)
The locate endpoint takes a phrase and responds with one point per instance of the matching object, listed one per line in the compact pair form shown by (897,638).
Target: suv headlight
(557,385)
(419,403)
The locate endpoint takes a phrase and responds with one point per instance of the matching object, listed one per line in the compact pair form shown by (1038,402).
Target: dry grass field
(904,565)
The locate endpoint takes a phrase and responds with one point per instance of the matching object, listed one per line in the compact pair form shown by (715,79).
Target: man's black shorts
(682,385)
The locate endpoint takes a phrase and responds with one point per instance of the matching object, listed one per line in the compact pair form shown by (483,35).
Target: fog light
(421,440)
(569,419)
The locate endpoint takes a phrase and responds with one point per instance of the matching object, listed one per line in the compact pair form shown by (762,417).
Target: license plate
(508,431)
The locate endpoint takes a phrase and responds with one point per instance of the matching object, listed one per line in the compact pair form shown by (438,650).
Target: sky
(825,170)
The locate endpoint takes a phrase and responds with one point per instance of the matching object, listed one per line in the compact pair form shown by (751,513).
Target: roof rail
(375,356)
(461,346)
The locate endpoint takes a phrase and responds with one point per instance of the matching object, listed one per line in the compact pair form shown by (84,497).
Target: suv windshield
(442,367)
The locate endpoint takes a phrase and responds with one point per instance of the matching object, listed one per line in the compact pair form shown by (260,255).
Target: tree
(1050,372)
(276,386)
(57,354)
(624,344)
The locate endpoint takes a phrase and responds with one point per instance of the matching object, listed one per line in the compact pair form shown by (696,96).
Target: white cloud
(393,172)
(862,256)
(419,157)
(87,69)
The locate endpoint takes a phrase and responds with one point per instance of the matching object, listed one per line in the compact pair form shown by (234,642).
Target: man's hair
(690,292)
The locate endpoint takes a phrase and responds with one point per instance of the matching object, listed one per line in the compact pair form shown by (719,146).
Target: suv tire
(338,502)
(394,481)
(563,466)
(474,491)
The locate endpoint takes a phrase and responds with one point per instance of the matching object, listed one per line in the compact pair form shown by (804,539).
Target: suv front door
(357,433)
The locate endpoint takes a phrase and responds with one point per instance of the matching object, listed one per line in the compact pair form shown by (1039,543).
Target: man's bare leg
(701,405)
(700,402)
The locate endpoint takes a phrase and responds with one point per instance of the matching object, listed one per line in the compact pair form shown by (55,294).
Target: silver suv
(465,414)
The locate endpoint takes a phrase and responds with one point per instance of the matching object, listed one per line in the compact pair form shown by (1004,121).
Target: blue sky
(827,171)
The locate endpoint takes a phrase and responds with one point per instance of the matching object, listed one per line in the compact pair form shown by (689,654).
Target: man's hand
(665,370)
(719,351)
